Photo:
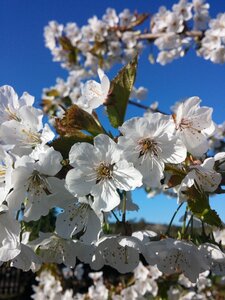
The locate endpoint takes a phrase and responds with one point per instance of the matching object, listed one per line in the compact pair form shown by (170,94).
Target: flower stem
(184,223)
(115,216)
(171,221)
(124,199)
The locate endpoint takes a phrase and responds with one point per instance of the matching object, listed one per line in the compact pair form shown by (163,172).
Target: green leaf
(199,205)
(44,224)
(211,217)
(121,87)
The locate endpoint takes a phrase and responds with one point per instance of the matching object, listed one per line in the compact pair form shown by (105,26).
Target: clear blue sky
(27,65)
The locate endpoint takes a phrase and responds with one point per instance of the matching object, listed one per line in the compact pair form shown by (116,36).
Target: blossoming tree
(79,168)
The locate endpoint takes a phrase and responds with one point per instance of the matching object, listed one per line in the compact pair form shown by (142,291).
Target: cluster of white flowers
(213,43)
(84,94)
(172,28)
(105,41)
(98,181)
(49,287)
(93,181)
(144,283)
(114,38)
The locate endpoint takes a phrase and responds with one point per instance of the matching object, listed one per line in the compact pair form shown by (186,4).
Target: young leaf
(121,87)
(199,206)
(77,119)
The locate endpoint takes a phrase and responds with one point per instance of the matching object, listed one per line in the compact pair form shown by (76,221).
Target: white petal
(152,171)
(126,177)
(78,183)
(107,148)
(50,162)
(27,99)
(105,85)
(8,96)
(195,142)
(174,151)
(105,195)
(82,153)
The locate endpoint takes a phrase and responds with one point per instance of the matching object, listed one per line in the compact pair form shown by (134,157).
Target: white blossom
(79,218)
(27,259)
(203,177)
(100,170)
(10,235)
(95,94)
(149,144)
(183,8)
(117,252)
(176,256)
(34,183)
(53,249)
(193,125)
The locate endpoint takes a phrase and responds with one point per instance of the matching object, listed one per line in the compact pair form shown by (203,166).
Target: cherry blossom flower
(117,252)
(21,123)
(203,177)
(214,256)
(100,170)
(183,8)
(94,93)
(14,108)
(77,218)
(49,287)
(176,256)
(10,235)
(27,259)
(139,93)
(149,143)
(193,125)
(52,248)
(35,185)
(6,167)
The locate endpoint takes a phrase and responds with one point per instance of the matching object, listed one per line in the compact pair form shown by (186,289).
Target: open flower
(95,93)
(176,256)
(35,185)
(13,108)
(27,259)
(100,170)
(193,125)
(79,218)
(21,124)
(54,249)
(203,177)
(149,143)
(118,252)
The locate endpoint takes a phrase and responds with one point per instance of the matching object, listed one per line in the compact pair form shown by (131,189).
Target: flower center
(104,171)
(12,115)
(148,146)
(38,184)
(33,138)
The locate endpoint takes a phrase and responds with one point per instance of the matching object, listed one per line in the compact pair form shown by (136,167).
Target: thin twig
(146,107)
(124,208)
(154,36)
(115,216)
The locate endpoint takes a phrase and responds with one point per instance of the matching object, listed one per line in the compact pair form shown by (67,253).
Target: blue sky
(27,65)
